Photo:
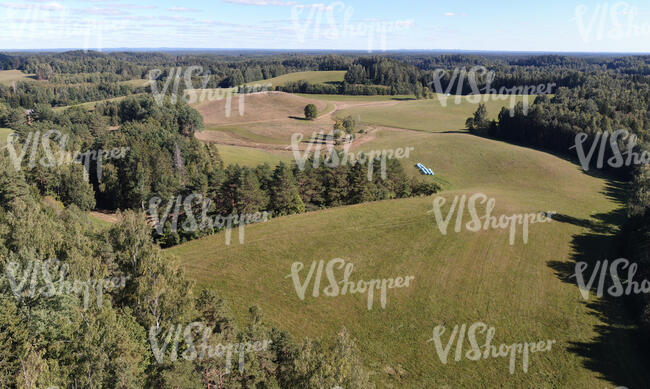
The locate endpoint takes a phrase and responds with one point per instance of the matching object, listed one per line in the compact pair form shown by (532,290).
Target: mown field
(460,278)
(4,133)
(314,77)
(91,104)
(431,115)
(9,76)
(249,156)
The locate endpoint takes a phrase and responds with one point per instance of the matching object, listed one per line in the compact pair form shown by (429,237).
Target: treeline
(603,104)
(165,160)
(26,94)
(56,336)
(406,73)
(341,88)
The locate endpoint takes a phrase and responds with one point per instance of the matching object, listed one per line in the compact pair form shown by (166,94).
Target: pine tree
(285,198)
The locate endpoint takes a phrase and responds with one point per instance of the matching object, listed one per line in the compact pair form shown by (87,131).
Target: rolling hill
(460,278)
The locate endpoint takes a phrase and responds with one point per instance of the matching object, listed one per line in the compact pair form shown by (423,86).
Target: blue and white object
(424,169)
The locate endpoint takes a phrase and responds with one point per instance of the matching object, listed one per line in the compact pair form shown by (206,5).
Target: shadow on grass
(300,118)
(617,352)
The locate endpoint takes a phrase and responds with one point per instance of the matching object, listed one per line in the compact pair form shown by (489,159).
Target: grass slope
(248,156)
(91,104)
(427,115)
(461,277)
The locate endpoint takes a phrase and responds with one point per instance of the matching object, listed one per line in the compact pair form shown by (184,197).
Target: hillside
(459,277)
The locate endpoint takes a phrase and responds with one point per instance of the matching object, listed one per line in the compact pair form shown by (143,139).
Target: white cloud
(262,2)
(181,9)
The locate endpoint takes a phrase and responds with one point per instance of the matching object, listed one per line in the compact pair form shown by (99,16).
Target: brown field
(270,119)
(258,107)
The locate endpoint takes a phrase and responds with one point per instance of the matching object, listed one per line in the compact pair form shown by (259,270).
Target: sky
(371,26)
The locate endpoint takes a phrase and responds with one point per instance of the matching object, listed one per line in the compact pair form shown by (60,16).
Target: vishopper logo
(47,285)
(339,26)
(486,221)
(475,353)
(600,270)
(202,351)
(191,95)
(479,75)
(332,159)
(600,142)
(35,141)
(192,204)
(615,22)
(344,286)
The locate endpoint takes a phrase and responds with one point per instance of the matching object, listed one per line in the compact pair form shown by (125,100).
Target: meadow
(4,133)
(314,77)
(462,277)
(430,115)
(7,77)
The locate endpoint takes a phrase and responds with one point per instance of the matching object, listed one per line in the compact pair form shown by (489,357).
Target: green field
(91,104)
(427,115)
(136,83)
(360,98)
(9,76)
(248,156)
(460,277)
(314,77)
(4,133)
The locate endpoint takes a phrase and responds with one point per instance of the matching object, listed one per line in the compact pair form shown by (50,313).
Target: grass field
(464,277)
(256,108)
(9,76)
(4,133)
(91,104)
(136,83)
(248,156)
(427,115)
(359,98)
(314,77)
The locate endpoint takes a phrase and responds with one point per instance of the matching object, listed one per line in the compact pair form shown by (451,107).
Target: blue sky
(550,25)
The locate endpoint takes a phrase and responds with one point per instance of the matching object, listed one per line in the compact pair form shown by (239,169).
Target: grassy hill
(462,277)
(427,115)
(260,107)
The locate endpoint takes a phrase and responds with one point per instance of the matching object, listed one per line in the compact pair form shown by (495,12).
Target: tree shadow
(617,352)
(299,118)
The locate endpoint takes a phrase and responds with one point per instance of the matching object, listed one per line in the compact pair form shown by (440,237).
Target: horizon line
(63,49)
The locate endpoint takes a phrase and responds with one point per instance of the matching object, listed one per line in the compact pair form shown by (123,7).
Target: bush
(425,188)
